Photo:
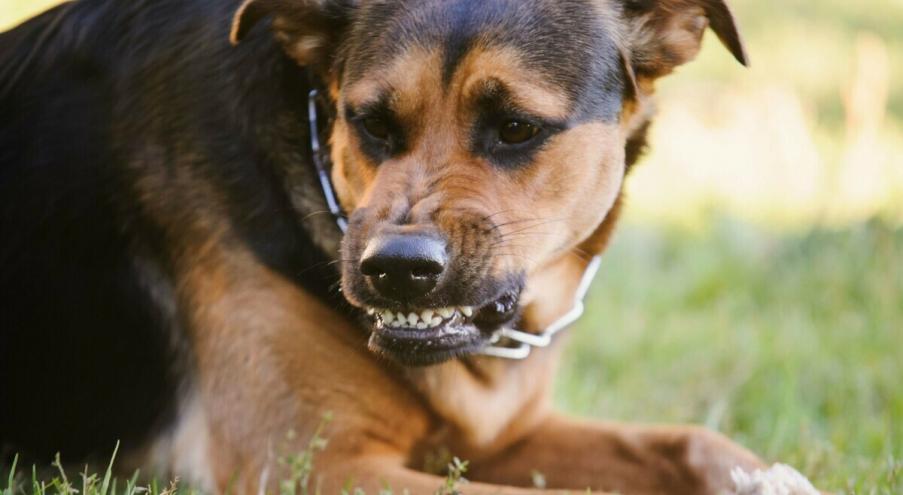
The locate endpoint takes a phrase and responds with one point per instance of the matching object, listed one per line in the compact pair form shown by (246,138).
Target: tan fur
(581,172)
(273,359)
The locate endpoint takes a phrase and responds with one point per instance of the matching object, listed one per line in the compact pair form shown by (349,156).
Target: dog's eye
(376,127)
(517,132)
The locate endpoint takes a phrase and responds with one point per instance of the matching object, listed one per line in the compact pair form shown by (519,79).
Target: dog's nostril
(402,267)
(428,268)
(371,268)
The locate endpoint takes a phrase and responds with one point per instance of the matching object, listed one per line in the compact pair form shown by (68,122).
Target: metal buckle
(527,341)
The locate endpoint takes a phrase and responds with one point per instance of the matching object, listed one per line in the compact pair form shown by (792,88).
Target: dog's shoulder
(100,99)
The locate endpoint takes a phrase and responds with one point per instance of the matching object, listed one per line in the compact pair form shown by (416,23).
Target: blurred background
(756,285)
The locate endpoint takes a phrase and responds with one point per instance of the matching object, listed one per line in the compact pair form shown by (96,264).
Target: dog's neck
(489,402)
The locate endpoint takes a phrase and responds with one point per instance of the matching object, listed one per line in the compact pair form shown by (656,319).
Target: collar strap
(521,343)
(320,155)
(524,342)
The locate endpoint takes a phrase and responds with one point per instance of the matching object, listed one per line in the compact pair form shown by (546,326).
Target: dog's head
(478,144)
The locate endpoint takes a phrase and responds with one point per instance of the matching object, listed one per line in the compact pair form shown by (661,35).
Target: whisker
(508,246)
(531,227)
(512,255)
(315,213)
(581,254)
(514,222)
(524,234)
(489,217)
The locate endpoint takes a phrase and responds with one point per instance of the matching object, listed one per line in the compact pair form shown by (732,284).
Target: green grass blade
(107,477)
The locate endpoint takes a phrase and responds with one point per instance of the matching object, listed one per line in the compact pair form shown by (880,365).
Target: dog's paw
(780,479)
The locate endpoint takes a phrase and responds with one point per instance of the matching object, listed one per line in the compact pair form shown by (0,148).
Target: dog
(222,221)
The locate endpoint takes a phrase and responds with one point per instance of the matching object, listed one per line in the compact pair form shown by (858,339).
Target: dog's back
(124,123)
(80,346)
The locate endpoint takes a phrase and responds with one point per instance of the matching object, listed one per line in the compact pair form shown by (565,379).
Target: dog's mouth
(421,337)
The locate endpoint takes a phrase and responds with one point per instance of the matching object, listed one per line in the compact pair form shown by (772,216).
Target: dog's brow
(366,92)
(375,103)
(530,97)
(526,87)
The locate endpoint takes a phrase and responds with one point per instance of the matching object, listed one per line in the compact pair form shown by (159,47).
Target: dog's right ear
(663,34)
(309,30)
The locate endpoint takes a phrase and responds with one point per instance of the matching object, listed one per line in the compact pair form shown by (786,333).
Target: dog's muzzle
(403,267)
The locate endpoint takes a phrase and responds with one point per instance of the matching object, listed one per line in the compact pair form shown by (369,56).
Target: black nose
(404,267)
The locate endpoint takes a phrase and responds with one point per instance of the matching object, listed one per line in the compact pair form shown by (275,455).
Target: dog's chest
(486,403)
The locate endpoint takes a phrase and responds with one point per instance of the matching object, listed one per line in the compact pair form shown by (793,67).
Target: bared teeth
(388,317)
(427,315)
(421,320)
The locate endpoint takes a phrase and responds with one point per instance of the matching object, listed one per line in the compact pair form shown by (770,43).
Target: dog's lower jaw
(454,338)
(422,352)
(432,336)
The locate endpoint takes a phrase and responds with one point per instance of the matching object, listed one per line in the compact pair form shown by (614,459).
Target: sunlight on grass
(811,133)
(13,11)
(792,344)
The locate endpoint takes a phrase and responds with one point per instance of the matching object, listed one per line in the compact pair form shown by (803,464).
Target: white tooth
(422,326)
(401,318)
(436,321)
(413,318)
(371,311)
(395,324)
(446,312)
(388,316)
(427,314)
(467,311)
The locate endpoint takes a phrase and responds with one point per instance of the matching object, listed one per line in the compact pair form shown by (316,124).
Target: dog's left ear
(663,34)
(308,29)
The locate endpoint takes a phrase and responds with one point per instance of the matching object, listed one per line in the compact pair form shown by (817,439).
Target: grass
(788,337)
(87,483)
(300,480)
(791,344)
(811,133)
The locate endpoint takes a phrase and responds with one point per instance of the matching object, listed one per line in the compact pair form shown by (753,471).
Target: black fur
(116,93)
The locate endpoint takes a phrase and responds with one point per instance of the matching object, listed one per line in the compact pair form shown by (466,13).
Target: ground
(790,344)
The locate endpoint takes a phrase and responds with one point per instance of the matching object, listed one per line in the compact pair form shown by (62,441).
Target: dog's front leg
(629,459)
(374,475)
